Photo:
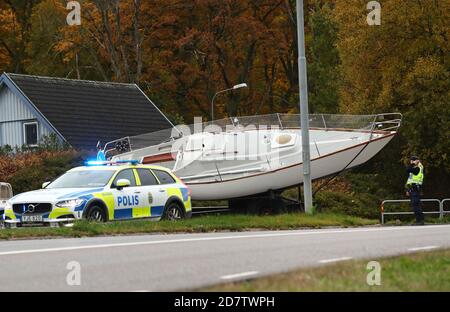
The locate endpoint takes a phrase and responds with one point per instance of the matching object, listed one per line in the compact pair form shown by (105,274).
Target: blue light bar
(106,163)
(96,163)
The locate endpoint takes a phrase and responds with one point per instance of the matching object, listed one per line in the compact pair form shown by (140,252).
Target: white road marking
(423,248)
(200,239)
(239,275)
(335,260)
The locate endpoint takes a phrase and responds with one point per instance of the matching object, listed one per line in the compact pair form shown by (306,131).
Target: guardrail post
(443,212)
(441,209)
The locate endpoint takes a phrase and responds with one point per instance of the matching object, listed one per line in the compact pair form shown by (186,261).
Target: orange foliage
(182,52)
(9,165)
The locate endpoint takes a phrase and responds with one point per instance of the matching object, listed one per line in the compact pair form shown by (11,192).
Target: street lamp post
(238,86)
(304,114)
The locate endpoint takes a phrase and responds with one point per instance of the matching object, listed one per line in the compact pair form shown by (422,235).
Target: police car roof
(117,167)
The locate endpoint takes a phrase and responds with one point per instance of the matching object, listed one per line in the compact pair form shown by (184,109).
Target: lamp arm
(214,98)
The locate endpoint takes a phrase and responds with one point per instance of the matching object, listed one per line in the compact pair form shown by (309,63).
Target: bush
(362,205)
(31,178)
(6,150)
(28,170)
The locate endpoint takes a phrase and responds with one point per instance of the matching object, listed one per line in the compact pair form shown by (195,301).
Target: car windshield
(82,179)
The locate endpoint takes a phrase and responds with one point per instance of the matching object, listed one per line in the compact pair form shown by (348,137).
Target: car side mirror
(122,183)
(45,184)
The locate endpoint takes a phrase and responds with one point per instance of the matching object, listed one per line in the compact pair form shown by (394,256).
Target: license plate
(32,219)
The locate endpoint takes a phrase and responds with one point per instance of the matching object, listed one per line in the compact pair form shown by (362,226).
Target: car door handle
(162,190)
(137,192)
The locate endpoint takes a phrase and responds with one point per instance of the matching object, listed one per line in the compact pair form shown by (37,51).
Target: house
(78,112)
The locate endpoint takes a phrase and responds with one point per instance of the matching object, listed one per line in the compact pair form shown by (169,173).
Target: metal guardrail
(440,203)
(442,206)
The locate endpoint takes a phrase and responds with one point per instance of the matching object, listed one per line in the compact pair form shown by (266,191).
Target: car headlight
(71,203)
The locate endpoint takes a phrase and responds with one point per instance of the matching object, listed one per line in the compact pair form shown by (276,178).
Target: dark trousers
(416,205)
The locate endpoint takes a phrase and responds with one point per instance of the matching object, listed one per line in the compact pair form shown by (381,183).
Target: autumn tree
(15,30)
(324,60)
(42,56)
(402,65)
(180,53)
(206,46)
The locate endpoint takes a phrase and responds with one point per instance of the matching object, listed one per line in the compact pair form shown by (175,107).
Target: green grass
(409,219)
(429,271)
(211,223)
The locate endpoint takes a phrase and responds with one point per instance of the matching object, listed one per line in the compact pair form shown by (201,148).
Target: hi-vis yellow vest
(416,178)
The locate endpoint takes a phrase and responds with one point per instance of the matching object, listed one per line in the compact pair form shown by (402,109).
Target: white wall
(13,114)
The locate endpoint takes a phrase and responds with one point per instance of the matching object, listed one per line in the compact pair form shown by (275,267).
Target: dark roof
(84,112)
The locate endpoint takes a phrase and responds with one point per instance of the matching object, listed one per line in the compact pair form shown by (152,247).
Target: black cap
(414,158)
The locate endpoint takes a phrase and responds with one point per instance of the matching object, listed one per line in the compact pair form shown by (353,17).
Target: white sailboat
(243,156)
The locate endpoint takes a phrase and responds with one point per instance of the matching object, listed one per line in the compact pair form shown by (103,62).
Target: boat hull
(288,176)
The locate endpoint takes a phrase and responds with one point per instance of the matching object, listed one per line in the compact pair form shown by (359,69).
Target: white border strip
(335,260)
(423,248)
(239,275)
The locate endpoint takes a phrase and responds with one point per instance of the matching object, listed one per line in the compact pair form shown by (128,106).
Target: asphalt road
(190,261)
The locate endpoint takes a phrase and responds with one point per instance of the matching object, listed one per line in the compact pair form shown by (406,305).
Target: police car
(104,191)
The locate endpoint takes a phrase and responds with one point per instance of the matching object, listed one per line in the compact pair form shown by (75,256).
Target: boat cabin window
(283,140)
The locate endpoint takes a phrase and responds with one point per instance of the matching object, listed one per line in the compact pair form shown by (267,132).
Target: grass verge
(209,223)
(429,271)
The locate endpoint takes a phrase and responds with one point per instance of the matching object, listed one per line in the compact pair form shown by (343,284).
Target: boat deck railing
(387,122)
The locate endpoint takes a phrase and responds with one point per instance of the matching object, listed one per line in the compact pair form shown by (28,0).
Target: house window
(30,133)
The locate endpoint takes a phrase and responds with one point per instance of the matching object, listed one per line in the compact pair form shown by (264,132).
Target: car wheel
(96,214)
(173,212)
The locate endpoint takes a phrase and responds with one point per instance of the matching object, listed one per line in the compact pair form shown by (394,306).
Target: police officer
(414,188)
